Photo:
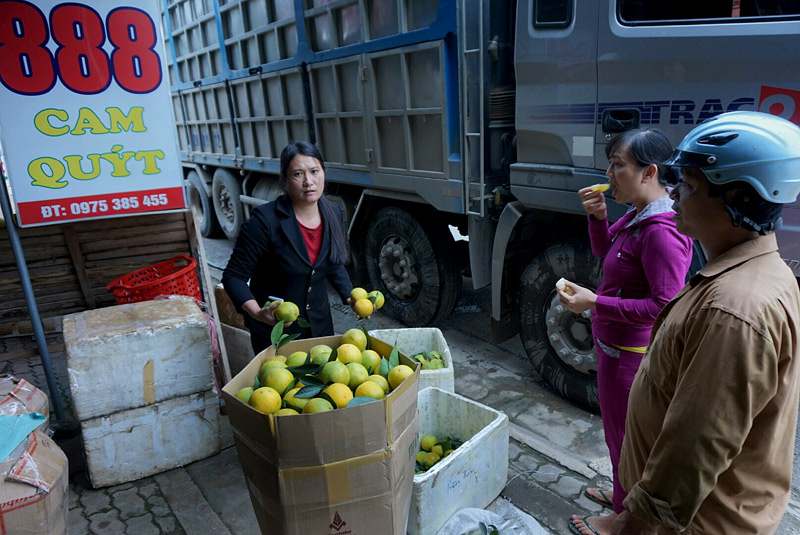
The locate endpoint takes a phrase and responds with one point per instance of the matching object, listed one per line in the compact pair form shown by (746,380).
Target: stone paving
(137,508)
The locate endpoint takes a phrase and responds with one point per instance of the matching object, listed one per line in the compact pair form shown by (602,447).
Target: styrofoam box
(128,356)
(133,444)
(419,340)
(474,474)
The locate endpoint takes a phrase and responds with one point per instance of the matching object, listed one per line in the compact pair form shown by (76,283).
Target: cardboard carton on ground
(344,471)
(128,356)
(18,396)
(33,488)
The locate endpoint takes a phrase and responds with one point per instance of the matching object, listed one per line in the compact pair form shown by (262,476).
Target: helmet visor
(683,158)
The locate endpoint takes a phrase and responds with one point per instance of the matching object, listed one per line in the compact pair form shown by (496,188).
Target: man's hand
(594,203)
(577,298)
(628,524)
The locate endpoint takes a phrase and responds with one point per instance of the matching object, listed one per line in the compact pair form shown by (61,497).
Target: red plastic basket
(176,276)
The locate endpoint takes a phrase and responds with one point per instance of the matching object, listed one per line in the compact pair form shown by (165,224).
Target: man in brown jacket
(712,413)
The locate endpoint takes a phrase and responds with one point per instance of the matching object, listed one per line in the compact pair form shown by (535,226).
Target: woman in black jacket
(290,248)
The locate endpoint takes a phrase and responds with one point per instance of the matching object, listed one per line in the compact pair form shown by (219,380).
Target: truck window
(690,11)
(552,13)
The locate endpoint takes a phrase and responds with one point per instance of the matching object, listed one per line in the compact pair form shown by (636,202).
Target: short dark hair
(339,250)
(645,147)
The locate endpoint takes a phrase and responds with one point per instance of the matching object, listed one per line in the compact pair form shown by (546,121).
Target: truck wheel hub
(570,335)
(398,268)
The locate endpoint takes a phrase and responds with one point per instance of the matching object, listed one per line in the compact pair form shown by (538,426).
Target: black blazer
(270,253)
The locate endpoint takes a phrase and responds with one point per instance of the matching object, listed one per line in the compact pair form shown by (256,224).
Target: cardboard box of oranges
(325,469)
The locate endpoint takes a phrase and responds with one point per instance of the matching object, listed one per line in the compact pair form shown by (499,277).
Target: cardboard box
(33,488)
(339,472)
(227,312)
(238,347)
(129,445)
(129,356)
(18,396)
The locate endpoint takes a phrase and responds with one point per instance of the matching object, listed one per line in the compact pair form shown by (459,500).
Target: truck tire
(225,192)
(421,283)
(559,343)
(200,202)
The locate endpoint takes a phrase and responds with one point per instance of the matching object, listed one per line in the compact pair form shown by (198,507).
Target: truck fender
(509,218)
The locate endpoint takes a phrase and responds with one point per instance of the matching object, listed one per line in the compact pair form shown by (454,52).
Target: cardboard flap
(331,436)
(39,467)
(18,396)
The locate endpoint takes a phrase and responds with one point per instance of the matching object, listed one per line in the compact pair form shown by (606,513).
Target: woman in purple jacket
(645,261)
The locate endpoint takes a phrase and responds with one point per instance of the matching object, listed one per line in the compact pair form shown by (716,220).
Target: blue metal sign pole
(30,299)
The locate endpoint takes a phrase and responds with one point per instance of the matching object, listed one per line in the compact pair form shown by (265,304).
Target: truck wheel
(201,203)
(559,343)
(421,283)
(225,191)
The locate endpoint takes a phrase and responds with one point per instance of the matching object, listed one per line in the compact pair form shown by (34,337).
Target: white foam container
(474,474)
(419,340)
(127,356)
(129,445)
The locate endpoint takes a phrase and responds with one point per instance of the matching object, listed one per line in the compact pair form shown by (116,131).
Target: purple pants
(614,379)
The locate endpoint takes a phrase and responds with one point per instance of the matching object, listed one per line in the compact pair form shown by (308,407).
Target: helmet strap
(740,220)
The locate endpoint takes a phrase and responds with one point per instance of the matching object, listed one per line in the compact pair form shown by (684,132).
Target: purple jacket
(645,261)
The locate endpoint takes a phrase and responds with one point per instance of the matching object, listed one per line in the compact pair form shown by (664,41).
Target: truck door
(555,54)
(671,65)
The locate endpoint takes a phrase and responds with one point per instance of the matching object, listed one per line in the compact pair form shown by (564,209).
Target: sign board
(86,123)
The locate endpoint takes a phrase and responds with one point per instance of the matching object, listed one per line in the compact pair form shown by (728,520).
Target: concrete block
(132,444)
(128,356)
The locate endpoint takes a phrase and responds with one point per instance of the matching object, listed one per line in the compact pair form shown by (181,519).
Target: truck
(469,118)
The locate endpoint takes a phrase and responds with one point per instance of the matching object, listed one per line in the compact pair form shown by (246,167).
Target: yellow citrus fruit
(358,293)
(427,442)
(430,459)
(316,405)
(335,372)
(266,400)
(287,412)
(339,393)
(355,337)
(371,360)
(298,358)
(245,393)
(381,381)
(320,354)
(358,374)
(279,379)
(398,374)
(286,311)
(377,299)
(276,357)
(437,449)
(364,308)
(421,456)
(293,402)
(348,353)
(370,390)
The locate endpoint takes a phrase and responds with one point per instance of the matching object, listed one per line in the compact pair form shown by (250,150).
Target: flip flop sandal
(574,529)
(603,497)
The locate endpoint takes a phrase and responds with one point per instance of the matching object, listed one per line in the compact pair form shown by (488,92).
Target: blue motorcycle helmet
(758,149)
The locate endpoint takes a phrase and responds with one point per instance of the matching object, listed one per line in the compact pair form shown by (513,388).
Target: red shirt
(312,237)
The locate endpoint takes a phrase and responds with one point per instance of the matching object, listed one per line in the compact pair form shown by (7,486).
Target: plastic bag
(472,521)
